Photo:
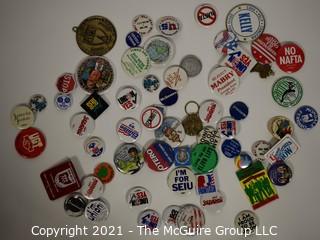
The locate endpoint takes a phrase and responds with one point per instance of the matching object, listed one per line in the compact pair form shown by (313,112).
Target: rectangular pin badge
(282,150)
(60,180)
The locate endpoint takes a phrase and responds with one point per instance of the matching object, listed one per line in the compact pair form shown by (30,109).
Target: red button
(66,83)
(264,49)
(290,58)
(30,143)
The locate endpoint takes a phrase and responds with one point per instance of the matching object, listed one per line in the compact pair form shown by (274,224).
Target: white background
(37,45)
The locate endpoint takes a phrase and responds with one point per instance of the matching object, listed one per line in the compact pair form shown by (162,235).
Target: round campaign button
(290,57)
(63,101)
(138,198)
(204,158)
(247,221)
(209,135)
(82,124)
(239,110)
(160,49)
(75,205)
(168,96)
(104,171)
(206,15)
(169,215)
(149,218)
(38,103)
(94,146)
(191,64)
(213,202)
(181,180)
(95,74)
(128,158)
(135,62)
(143,24)
(175,77)
(264,48)
(243,160)
(66,83)
(97,210)
(287,91)
(96,35)
(280,126)
(22,116)
(92,187)
(260,148)
(30,142)
(171,131)
(228,127)
(306,117)
(246,21)
(151,117)
(159,156)
(210,111)
(223,80)
(280,173)
(168,25)
(190,218)
(231,148)
(133,39)
(151,83)
(128,97)
(225,42)
(128,130)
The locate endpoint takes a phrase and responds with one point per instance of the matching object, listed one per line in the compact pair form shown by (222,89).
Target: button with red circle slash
(206,15)
(290,57)
(66,83)
(30,143)
(264,48)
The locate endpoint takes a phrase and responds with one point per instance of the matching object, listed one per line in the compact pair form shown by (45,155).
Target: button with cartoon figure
(128,158)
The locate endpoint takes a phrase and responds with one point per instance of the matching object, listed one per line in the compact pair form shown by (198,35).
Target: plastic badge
(264,48)
(60,180)
(38,103)
(210,111)
(168,25)
(181,180)
(150,219)
(306,117)
(287,91)
(128,158)
(204,158)
(247,221)
(97,210)
(128,130)
(280,173)
(160,49)
(159,156)
(290,57)
(94,146)
(143,24)
(104,171)
(66,83)
(135,62)
(192,65)
(255,182)
(175,77)
(239,110)
(171,131)
(169,215)
(231,148)
(223,81)
(94,105)
(151,118)
(207,183)
(75,204)
(63,101)
(22,116)
(225,42)
(206,15)
(209,135)
(133,39)
(182,156)
(246,21)
(168,96)
(96,35)
(92,187)
(30,142)
(213,202)
(95,74)
(282,150)
(82,124)
(138,198)
(243,160)
(151,83)
(228,127)
(190,218)
(128,97)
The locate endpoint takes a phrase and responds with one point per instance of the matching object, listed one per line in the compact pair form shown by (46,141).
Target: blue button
(231,148)
(239,110)
(133,39)
(168,96)
(306,117)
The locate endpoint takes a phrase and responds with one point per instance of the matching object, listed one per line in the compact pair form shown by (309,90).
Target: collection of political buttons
(195,166)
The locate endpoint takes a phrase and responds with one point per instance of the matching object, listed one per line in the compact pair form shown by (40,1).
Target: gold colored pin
(192,123)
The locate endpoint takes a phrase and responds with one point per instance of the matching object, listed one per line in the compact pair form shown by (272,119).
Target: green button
(204,158)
